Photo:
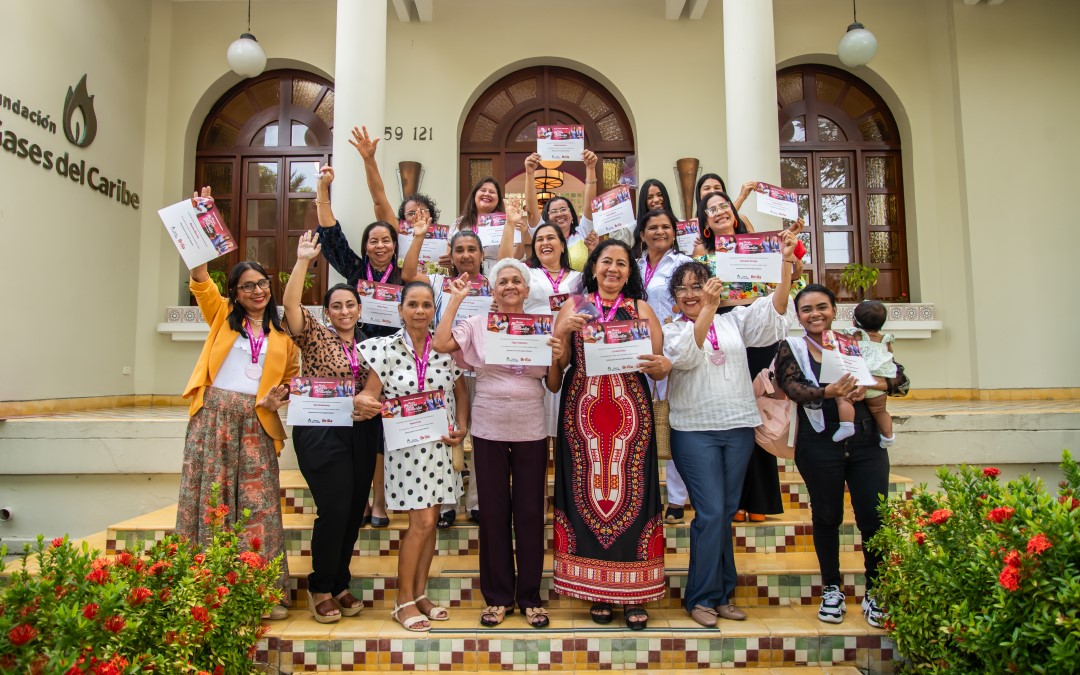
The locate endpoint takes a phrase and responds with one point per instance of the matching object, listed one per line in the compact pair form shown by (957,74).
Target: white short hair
(513,263)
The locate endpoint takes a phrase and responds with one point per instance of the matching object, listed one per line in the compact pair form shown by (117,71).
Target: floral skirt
(227,445)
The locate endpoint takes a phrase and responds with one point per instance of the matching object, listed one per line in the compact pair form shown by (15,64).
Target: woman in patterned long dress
(609,535)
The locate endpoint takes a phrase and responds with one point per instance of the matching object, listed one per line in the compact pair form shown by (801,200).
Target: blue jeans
(713,464)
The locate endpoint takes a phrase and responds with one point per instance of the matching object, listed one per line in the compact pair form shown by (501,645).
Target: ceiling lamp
(544,197)
(551,163)
(548,179)
(246,56)
(858,45)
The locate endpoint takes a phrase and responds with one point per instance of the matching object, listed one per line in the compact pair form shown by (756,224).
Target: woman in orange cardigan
(235,435)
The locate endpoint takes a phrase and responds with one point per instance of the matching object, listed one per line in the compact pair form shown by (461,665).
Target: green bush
(984,576)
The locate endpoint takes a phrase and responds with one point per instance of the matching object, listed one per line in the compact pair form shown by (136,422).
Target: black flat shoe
(380,522)
(446,520)
(634,613)
(602,612)
(474,515)
(365,520)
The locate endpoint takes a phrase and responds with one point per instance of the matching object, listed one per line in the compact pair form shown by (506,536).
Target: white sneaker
(832,605)
(875,615)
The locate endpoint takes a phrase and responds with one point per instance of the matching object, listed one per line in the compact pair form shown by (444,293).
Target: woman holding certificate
(234,435)
(338,463)
(560,212)
(826,465)
(713,415)
(609,534)
(405,368)
(505,454)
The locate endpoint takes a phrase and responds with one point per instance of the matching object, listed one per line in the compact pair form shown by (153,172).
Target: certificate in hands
(560,143)
(198,231)
(320,402)
(518,339)
(841,355)
(614,347)
(613,210)
(414,419)
(776,201)
(489,228)
(379,303)
(749,258)
(477,302)
(434,241)
(687,233)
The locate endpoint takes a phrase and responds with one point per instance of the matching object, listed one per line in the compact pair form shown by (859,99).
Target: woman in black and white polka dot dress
(418,478)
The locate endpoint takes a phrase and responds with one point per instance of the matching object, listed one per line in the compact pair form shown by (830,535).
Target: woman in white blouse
(713,415)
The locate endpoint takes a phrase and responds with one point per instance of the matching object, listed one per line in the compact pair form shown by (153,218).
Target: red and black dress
(609,533)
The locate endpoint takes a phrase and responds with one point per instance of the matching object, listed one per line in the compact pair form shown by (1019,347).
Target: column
(359,99)
(753,140)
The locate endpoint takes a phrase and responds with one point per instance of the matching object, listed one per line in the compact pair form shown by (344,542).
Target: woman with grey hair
(510,459)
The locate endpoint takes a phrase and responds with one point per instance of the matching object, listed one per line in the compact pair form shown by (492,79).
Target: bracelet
(590,182)
(327,202)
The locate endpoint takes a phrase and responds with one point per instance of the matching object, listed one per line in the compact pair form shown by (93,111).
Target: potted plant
(283,279)
(220,279)
(857,278)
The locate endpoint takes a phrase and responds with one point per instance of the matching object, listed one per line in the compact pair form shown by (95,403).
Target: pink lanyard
(555,282)
(256,345)
(354,360)
(385,276)
(614,308)
(650,270)
(421,361)
(713,339)
(814,342)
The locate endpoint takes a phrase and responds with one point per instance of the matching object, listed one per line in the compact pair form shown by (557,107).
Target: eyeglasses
(249,287)
(558,212)
(717,209)
(410,214)
(683,291)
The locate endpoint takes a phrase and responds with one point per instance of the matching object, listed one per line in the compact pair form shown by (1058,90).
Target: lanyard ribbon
(421,361)
(713,339)
(354,360)
(555,282)
(256,345)
(385,276)
(614,308)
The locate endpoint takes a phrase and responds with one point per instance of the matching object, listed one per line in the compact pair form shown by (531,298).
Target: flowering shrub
(178,610)
(983,576)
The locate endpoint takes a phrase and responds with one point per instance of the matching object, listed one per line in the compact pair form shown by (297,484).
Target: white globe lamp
(246,56)
(857,46)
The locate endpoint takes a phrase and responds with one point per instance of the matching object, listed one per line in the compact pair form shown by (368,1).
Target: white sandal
(411,622)
(437,613)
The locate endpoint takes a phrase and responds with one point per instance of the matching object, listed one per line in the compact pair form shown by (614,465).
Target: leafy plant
(309,279)
(220,279)
(857,278)
(984,577)
(177,610)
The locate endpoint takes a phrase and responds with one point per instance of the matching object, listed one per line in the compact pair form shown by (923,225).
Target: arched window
(500,129)
(260,150)
(840,151)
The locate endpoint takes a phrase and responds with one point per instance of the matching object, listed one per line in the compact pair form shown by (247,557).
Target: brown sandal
(347,603)
(537,617)
(494,615)
(321,612)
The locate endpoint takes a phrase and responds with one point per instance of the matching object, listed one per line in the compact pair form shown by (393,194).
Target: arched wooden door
(500,130)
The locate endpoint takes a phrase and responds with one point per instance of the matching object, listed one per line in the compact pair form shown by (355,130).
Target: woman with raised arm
(419,478)
(486,197)
(235,435)
(609,534)
(338,463)
(559,211)
(510,459)
(653,195)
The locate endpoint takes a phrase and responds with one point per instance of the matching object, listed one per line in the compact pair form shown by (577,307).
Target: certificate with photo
(612,211)
(379,303)
(518,339)
(197,230)
(320,402)
(749,258)
(614,347)
(840,354)
(687,233)
(414,419)
(560,143)
(555,302)
(489,228)
(477,302)
(434,241)
(776,201)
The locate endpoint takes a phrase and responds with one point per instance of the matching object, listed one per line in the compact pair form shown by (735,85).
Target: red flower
(115,623)
(940,516)
(230,578)
(222,591)
(200,558)
(139,595)
(219,670)
(919,538)
(1064,499)
(164,594)
(100,563)
(124,558)
(159,567)
(984,497)
(90,611)
(171,550)
(1000,514)
(98,576)
(1038,544)
(21,634)
(991,472)
(200,614)
(256,544)
(251,559)
(58,542)
(1010,578)
(1012,558)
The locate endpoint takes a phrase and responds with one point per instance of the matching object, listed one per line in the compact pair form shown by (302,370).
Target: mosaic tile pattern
(792,589)
(784,538)
(795,496)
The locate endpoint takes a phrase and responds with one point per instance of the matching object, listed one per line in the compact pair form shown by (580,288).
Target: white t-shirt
(232,375)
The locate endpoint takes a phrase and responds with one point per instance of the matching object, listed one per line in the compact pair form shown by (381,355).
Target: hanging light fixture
(246,56)
(548,179)
(858,45)
(543,198)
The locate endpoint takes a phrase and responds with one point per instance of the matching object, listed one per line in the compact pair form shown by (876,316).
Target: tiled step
(773,637)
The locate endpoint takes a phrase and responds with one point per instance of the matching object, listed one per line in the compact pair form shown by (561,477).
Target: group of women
(707,338)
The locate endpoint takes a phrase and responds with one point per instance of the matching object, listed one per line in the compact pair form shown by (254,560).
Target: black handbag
(899,385)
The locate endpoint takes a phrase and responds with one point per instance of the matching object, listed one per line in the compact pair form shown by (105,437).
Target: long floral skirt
(227,445)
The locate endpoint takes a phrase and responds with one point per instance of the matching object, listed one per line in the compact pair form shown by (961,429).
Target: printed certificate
(686,233)
(478,301)
(198,231)
(379,303)
(614,347)
(518,339)
(749,258)
(613,210)
(434,245)
(414,419)
(841,354)
(555,302)
(776,201)
(560,143)
(490,229)
(320,402)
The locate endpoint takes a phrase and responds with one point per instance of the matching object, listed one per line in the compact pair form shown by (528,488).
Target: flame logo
(79,100)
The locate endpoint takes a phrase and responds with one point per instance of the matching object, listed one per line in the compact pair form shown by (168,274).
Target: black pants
(826,466)
(338,464)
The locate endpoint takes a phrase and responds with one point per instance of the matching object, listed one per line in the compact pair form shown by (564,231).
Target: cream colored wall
(70,255)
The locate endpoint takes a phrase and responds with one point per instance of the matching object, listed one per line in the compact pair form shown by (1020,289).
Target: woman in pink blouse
(504,452)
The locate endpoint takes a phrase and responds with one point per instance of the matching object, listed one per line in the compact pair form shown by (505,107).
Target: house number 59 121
(418,134)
